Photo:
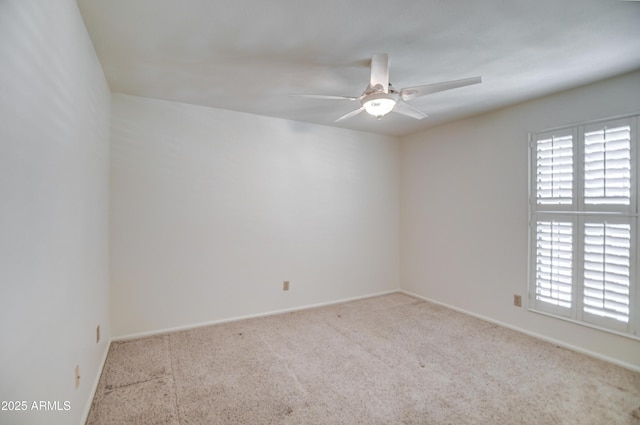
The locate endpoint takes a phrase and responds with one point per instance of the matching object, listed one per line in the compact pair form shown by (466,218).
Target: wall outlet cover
(517,300)
(77,373)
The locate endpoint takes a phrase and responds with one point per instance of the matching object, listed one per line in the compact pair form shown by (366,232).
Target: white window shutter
(554,263)
(607,166)
(607,270)
(554,170)
(583,215)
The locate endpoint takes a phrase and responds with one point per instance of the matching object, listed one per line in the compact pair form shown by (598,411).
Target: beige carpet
(386,360)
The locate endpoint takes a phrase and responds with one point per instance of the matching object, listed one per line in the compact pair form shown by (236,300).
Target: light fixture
(379,104)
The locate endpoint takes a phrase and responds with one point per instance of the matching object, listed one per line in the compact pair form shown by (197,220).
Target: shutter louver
(607,270)
(554,262)
(607,166)
(554,170)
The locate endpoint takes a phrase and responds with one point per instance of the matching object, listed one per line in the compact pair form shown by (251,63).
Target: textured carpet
(386,360)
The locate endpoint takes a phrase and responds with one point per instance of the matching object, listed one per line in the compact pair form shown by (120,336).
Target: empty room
(319,212)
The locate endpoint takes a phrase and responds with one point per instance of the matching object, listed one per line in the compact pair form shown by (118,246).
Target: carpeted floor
(386,360)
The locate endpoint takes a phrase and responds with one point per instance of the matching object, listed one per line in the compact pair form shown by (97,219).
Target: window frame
(579,213)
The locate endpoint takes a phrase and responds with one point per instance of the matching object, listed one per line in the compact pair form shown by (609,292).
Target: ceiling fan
(380,97)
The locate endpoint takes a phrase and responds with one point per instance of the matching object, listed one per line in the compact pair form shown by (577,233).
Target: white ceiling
(250,55)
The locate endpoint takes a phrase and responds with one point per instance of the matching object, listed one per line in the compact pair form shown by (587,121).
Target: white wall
(54,136)
(464,211)
(211,210)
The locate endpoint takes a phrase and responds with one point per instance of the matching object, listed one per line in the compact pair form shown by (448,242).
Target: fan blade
(350,114)
(408,110)
(417,91)
(322,96)
(380,71)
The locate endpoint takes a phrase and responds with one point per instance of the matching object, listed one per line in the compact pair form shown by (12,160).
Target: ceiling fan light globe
(378,105)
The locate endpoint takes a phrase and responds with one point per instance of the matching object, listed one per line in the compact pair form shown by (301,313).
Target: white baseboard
(529,333)
(94,387)
(249,316)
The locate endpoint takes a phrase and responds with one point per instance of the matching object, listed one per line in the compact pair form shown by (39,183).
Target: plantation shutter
(607,269)
(554,169)
(583,224)
(607,166)
(554,263)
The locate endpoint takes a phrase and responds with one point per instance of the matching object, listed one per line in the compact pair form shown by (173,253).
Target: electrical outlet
(77,376)
(98,334)
(517,300)
(285,285)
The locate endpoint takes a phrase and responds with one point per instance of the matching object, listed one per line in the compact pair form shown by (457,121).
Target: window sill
(586,324)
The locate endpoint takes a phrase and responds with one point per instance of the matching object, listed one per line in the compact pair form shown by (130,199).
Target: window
(583,224)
